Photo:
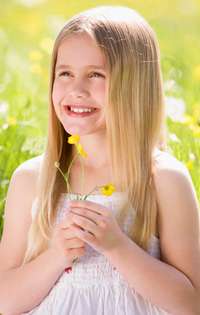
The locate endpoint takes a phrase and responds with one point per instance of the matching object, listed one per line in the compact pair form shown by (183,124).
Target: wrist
(59,259)
(119,249)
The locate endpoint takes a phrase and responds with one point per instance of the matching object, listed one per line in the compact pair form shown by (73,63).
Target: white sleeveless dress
(94,286)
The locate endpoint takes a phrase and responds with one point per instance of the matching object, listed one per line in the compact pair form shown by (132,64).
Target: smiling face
(80,83)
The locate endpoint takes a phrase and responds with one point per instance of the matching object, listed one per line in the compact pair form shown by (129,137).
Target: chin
(76,131)
(83,130)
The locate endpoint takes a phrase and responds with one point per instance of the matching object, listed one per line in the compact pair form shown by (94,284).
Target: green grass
(26,35)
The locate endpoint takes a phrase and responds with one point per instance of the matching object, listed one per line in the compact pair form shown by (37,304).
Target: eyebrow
(89,66)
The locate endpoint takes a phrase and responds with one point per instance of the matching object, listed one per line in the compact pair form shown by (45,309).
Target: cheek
(56,94)
(99,90)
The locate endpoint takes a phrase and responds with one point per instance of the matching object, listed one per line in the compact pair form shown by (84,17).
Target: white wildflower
(173,137)
(175,108)
(3,108)
(170,85)
(192,156)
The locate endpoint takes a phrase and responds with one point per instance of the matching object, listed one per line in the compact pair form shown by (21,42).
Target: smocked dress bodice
(94,286)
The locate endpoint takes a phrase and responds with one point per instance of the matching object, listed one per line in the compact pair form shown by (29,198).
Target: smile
(79,112)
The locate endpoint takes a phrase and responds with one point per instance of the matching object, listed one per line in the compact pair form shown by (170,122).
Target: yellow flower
(73,139)
(188,120)
(81,150)
(190,164)
(107,190)
(35,55)
(11,121)
(196,130)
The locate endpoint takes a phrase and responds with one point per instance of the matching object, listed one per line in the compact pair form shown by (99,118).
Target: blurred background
(28,29)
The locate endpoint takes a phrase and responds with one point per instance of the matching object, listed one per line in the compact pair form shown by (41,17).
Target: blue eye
(63,73)
(93,74)
(97,74)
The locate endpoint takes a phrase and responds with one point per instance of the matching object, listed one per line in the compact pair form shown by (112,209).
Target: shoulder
(30,166)
(167,169)
(178,206)
(26,175)
(22,188)
(172,180)
(17,213)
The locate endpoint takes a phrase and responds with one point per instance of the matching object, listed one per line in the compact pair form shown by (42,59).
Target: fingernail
(68,269)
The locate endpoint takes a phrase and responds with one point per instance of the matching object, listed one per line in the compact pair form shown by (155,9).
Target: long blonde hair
(135,121)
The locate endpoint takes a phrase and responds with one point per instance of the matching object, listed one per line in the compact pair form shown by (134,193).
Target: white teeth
(81,110)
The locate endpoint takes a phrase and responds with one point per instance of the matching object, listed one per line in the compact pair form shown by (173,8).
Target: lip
(76,115)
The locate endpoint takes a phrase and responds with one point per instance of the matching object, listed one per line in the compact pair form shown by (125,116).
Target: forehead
(79,50)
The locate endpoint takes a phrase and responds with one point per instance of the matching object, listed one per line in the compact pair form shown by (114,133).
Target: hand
(96,225)
(65,243)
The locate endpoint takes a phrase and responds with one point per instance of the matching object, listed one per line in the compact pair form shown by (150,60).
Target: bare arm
(22,287)
(173,283)
(162,284)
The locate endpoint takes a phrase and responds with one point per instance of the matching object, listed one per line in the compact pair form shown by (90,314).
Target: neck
(95,145)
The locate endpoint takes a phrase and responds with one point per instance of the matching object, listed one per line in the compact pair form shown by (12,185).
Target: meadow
(27,31)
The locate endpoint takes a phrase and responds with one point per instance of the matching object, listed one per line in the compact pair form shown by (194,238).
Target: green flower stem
(66,179)
(69,168)
(75,260)
(85,197)
(82,173)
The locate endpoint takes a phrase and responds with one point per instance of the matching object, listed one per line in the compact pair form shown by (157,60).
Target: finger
(85,224)
(71,232)
(86,213)
(86,236)
(67,222)
(74,243)
(92,206)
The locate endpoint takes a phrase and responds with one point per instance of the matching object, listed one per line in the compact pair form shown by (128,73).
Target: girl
(137,251)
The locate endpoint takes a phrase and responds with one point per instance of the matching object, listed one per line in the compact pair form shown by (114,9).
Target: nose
(78,89)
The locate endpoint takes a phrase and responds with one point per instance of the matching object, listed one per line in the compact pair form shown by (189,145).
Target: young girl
(136,251)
